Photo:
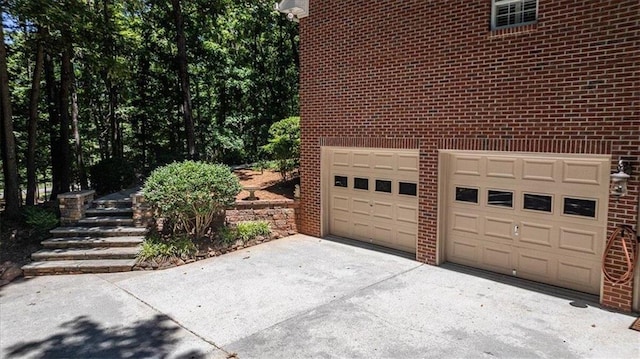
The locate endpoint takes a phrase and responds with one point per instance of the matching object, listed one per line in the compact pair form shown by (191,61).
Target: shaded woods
(137,84)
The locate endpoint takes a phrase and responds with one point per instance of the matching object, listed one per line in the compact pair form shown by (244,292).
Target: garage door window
(580,207)
(466,194)
(383,186)
(361,183)
(538,202)
(410,189)
(500,198)
(340,181)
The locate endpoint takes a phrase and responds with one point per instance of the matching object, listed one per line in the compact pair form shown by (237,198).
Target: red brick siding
(431,75)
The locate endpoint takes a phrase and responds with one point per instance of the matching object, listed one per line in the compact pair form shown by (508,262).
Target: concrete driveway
(302,297)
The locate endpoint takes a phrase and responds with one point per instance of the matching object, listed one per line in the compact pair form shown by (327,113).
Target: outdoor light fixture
(295,9)
(619,179)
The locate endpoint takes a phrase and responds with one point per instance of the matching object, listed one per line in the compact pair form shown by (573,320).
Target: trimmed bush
(191,194)
(112,175)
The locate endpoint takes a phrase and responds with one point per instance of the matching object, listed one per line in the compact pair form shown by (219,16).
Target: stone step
(113,211)
(78,266)
(57,254)
(102,231)
(98,221)
(112,203)
(92,242)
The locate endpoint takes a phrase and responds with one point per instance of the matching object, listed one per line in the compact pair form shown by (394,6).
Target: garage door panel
(383,162)
(361,229)
(406,239)
(540,170)
(407,214)
(501,168)
(464,251)
(467,166)
(536,234)
(500,228)
(361,206)
(340,159)
(341,226)
(408,163)
(383,210)
(551,229)
(534,265)
(578,240)
(497,258)
(582,172)
(577,274)
(466,222)
(362,160)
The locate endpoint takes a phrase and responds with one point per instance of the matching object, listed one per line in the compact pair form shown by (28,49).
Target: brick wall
(432,75)
(281,215)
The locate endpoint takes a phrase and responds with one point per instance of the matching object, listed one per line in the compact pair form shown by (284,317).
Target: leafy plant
(155,247)
(284,144)
(40,219)
(251,229)
(112,175)
(227,235)
(190,194)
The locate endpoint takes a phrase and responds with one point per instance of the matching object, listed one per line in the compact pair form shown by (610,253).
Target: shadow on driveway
(84,338)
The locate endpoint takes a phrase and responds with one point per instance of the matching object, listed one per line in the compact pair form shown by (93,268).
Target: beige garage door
(534,216)
(373,196)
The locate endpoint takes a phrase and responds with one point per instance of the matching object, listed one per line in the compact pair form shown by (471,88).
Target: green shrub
(251,229)
(190,194)
(40,219)
(157,248)
(284,144)
(227,235)
(112,175)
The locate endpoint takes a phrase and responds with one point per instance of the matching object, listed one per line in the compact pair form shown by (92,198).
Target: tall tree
(33,120)
(183,76)
(10,164)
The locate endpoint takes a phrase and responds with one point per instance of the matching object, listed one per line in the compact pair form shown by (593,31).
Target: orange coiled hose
(630,254)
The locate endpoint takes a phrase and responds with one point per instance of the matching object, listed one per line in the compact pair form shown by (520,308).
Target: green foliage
(40,219)
(227,235)
(251,229)
(112,175)
(284,144)
(155,247)
(190,194)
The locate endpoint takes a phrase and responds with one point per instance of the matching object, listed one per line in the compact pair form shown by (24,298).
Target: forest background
(135,84)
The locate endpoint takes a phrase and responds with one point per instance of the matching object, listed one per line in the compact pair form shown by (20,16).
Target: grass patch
(251,229)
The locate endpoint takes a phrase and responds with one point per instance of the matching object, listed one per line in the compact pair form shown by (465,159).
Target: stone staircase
(105,240)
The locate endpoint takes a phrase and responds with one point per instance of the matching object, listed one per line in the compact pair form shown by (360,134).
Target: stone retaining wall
(282,215)
(73,205)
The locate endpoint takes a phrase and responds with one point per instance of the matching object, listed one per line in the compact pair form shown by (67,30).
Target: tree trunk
(33,122)
(10,167)
(82,172)
(54,123)
(65,86)
(183,76)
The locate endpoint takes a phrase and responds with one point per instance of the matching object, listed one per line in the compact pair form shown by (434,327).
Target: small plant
(155,247)
(40,219)
(251,229)
(191,194)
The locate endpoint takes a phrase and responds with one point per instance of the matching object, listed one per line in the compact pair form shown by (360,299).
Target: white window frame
(494,13)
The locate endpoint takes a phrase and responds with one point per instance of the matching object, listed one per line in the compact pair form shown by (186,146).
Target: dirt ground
(270,184)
